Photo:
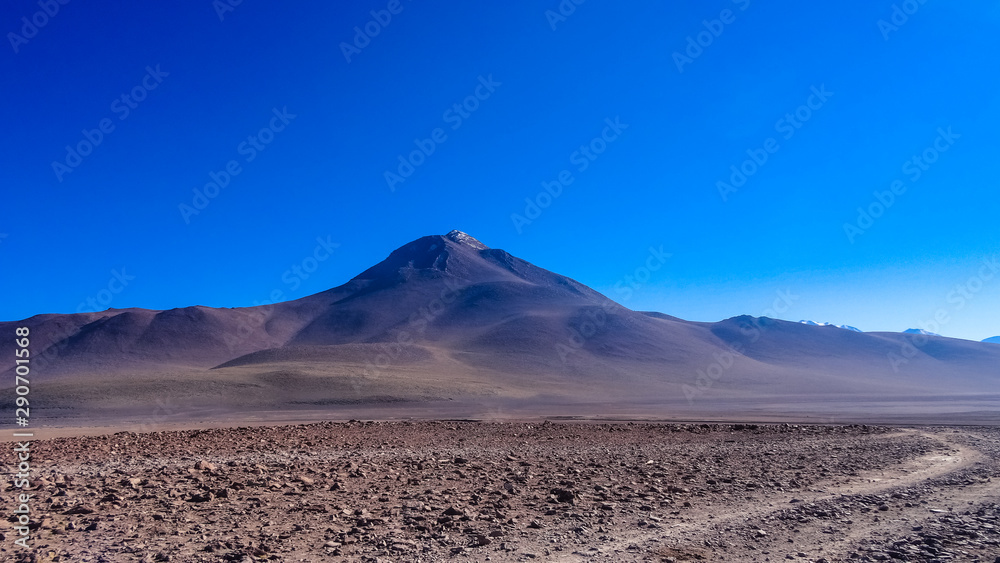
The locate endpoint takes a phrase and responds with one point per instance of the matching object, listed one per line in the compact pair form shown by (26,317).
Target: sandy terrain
(519,491)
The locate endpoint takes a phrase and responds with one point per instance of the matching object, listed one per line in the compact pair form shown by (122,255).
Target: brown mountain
(445,320)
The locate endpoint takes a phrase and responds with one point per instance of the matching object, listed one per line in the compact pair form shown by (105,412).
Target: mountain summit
(459,258)
(463,238)
(845,327)
(920,331)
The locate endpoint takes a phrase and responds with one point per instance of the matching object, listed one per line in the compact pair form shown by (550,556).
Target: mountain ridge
(448,316)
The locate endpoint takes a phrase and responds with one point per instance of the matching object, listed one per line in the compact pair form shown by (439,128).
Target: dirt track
(864,517)
(468,491)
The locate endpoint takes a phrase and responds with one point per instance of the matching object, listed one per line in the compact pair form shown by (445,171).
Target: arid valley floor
(518,491)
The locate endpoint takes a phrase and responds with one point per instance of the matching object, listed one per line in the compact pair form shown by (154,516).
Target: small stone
(202,497)
(564,495)
(80,509)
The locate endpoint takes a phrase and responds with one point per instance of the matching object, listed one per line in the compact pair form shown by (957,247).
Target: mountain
(993,340)
(845,327)
(447,320)
(920,331)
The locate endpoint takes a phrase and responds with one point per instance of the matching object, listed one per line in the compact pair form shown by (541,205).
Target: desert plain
(538,490)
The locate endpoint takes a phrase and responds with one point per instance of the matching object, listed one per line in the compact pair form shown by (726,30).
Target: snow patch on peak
(920,331)
(467,240)
(845,327)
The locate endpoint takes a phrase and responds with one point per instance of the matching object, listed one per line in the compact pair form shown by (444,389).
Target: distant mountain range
(845,327)
(995,339)
(446,317)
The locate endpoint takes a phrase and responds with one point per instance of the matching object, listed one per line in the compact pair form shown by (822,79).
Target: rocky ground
(471,491)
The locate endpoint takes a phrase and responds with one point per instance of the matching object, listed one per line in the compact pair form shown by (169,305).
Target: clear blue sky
(196,87)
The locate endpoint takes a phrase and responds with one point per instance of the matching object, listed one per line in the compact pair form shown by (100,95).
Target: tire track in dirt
(685,540)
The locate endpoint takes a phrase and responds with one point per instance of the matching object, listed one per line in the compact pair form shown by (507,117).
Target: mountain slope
(445,316)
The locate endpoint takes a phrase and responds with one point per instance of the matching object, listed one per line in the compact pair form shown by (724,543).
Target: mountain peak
(845,327)
(459,256)
(456,253)
(920,331)
(466,239)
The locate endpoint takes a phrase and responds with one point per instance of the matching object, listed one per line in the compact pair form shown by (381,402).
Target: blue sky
(839,104)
